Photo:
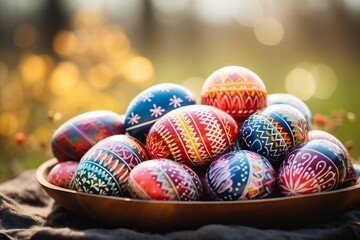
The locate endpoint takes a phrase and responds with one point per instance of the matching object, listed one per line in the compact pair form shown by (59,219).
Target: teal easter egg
(105,168)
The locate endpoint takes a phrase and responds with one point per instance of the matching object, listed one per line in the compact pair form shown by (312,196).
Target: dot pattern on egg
(274,132)
(351,176)
(240,175)
(164,179)
(316,166)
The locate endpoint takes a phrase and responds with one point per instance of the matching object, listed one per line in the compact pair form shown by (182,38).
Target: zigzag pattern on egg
(214,131)
(193,145)
(267,141)
(111,166)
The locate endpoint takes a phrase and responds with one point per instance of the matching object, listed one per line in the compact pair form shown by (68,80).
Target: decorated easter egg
(357,169)
(351,176)
(151,104)
(105,168)
(315,166)
(274,131)
(194,135)
(284,98)
(77,135)
(236,90)
(240,175)
(163,179)
(62,173)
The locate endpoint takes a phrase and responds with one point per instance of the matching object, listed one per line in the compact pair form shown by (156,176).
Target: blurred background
(62,58)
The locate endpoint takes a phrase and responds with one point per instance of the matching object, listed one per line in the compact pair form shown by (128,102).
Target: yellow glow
(100,76)
(139,70)
(25,35)
(64,79)
(43,134)
(67,106)
(8,124)
(11,96)
(88,18)
(269,31)
(85,96)
(32,69)
(301,83)
(326,81)
(4,72)
(65,43)
(115,43)
(105,102)
(83,41)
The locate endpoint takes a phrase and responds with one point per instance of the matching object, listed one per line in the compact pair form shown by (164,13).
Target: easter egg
(351,176)
(284,98)
(240,175)
(274,132)
(237,90)
(151,104)
(315,166)
(77,135)
(105,168)
(62,173)
(193,135)
(357,170)
(163,179)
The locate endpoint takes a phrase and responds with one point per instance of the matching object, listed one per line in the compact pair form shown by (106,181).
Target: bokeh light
(8,124)
(139,70)
(100,76)
(269,31)
(63,79)
(301,83)
(32,69)
(247,13)
(326,81)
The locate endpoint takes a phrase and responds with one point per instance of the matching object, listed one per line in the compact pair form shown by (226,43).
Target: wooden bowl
(159,216)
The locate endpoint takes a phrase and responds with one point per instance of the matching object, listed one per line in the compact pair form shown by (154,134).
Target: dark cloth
(27,212)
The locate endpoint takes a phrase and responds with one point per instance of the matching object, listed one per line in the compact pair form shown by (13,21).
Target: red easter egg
(163,179)
(62,173)
(236,90)
(194,135)
(351,176)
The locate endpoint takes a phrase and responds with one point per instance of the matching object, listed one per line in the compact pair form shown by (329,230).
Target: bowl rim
(43,170)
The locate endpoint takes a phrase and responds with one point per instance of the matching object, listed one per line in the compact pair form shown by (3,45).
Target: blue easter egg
(240,175)
(274,131)
(153,103)
(284,98)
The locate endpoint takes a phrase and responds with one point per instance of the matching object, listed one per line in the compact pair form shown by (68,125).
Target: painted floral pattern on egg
(105,168)
(316,166)
(151,104)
